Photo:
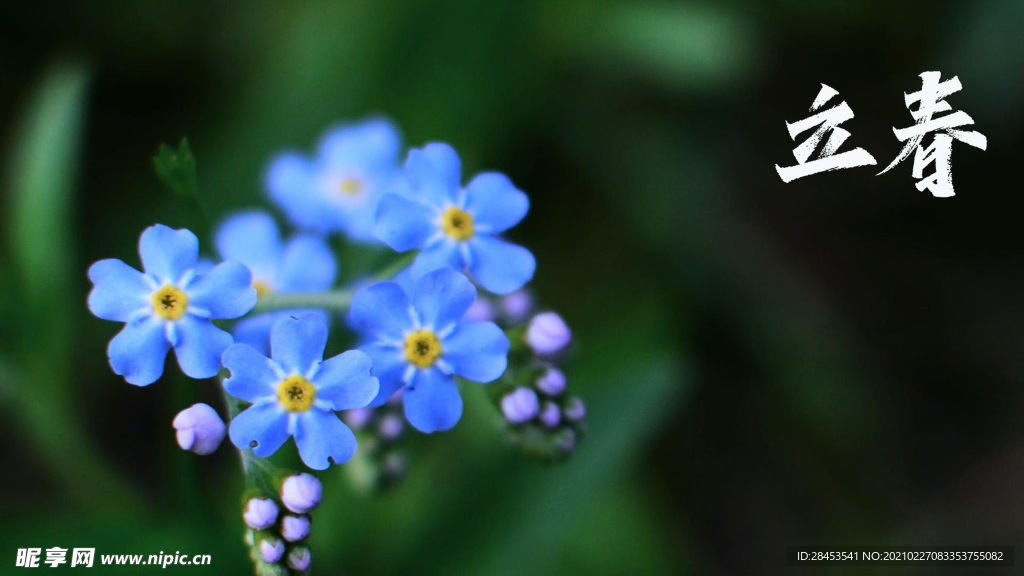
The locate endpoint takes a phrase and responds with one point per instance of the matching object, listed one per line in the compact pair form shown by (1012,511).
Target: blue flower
(456,226)
(303,264)
(297,392)
(169,305)
(421,342)
(339,189)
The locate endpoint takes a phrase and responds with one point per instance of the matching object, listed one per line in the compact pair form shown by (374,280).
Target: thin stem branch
(333,301)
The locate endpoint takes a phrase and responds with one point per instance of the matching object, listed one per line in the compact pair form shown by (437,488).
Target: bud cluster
(279,524)
(382,460)
(540,416)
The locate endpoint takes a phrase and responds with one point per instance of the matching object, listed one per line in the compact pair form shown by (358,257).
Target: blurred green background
(833,361)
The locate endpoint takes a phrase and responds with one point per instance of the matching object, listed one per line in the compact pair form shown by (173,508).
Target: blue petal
(443,297)
(119,291)
(168,254)
(499,266)
(292,183)
(322,439)
(373,144)
(252,374)
(289,177)
(138,351)
(251,238)
(264,423)
(345,381)
(224,292)
(432,402)
(308,266)
(360,218)
(382,309)
(297,344)
(200,346)
(435,164)
(204,265)
(406,281)
(389,367)
(439,255)
(405,224)
(255,330)
(495,203)
(477,351)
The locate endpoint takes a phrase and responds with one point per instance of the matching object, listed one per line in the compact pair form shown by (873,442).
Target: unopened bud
(271,550)
(517,306)
(299,558)
(294,528)
(575,410)
(301,493)
(548,335)
(520,405)
(199,429)
(551,382)
(260,513)
(550,415)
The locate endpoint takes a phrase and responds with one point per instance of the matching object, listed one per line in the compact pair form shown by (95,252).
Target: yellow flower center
(170,303)
(350,187)
(457,224)
(263,289)
(422,347)
(295,393)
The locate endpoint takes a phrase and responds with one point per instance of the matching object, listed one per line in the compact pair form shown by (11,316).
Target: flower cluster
(453,310)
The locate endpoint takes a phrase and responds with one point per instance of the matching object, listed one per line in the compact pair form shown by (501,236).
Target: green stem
(332,301)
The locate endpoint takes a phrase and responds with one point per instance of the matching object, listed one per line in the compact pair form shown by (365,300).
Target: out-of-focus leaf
(44,168)
(985,51)
(177,168)
(678,205)
(630,507)
(41,190)
(625,410)
(688,46)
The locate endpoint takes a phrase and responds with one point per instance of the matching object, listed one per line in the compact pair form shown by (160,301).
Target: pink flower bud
(301,493)
(260,513)
(199,429)
(295,528)
(548,335)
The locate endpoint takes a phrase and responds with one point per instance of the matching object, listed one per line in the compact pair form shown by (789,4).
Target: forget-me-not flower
(297,392)
(169,305)
(338,190)
(420,342)
(302,264)
(456,226)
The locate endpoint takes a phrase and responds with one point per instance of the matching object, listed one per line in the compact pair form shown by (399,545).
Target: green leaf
(44,170)
(176,167)
(691,47)
(44,167)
